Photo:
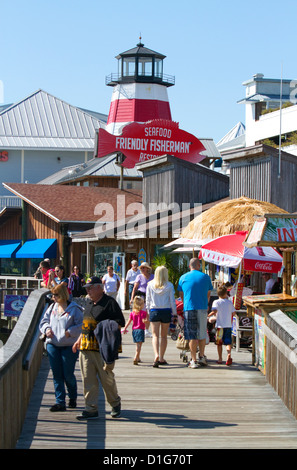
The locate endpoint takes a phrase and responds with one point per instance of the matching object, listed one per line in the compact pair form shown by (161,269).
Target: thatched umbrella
(228,217)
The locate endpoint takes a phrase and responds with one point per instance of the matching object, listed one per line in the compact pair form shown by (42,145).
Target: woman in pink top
(138,316)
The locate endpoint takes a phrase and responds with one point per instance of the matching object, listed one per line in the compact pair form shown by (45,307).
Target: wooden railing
(20,360)
(281,357)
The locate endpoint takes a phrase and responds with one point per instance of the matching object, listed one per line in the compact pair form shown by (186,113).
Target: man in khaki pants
(100,307)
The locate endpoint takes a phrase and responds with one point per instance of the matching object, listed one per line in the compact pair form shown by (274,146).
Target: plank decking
(172,407)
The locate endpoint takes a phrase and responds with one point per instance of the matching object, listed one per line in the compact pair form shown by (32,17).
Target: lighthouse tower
(139,89)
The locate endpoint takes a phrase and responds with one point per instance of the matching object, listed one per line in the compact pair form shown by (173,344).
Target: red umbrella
(229,251)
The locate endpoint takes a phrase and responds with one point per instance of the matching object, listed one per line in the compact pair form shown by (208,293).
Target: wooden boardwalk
(172,407)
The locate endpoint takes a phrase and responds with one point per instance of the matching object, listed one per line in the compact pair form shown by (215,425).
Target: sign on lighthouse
(140,142)
(139,124)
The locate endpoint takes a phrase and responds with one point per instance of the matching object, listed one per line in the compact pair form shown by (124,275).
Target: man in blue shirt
(195,288)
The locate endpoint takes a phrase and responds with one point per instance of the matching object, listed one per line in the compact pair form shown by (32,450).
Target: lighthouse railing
(115,78)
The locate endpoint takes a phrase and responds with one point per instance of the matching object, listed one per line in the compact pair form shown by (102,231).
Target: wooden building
(259,172)
(94,227)
(54,213)
(172,190)
(168,179)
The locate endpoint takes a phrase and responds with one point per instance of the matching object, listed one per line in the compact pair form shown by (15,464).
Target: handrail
(16,382)
(29,358)
(281,357)
(158,78)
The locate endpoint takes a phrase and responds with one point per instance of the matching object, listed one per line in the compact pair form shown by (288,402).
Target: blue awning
(41,248)
(8,248)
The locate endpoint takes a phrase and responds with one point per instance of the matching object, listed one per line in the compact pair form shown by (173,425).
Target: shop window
(10,267)
(103,257)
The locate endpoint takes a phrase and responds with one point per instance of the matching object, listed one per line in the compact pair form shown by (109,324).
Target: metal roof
(105,166)
(42,121)
(140,50)
(257,97)
(211,150)
(235,138)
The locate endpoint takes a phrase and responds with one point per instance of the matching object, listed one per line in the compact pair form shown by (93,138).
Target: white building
(42,134)
(270,110)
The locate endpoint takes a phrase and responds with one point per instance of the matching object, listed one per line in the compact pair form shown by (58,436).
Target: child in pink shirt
(138,316)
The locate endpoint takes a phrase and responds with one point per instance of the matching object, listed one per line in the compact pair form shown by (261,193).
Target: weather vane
(140,38)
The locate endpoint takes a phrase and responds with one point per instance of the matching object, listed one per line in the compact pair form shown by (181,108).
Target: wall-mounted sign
(3,156)
(274,229)
(143,142)
(141,256)
(281,230)
(14,304)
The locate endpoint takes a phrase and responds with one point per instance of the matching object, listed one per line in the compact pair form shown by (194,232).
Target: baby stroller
(176,321)
(173,327)
(181,344)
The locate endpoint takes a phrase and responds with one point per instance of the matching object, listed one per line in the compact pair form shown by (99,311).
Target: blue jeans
(131,287)
(62,362)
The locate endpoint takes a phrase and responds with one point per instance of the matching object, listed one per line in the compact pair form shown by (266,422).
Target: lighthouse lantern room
(139,88)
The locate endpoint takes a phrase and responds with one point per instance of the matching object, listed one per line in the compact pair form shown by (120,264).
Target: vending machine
(120,269)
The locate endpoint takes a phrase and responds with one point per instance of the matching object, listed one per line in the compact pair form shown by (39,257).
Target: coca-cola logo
(263,266)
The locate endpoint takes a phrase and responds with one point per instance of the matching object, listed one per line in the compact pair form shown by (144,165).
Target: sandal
(229,361)
(163,363)
(219,362)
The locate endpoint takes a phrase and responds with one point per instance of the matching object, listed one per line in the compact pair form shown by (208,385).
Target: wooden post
(289,272)
(287,275)
(284,253)
(24,235)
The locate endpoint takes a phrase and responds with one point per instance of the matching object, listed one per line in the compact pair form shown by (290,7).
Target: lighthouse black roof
(142,51)
(141,65)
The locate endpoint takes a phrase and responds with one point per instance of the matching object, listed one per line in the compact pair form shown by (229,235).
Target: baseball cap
(92,281)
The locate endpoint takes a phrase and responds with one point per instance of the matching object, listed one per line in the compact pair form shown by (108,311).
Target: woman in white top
(111,282)
(160,304)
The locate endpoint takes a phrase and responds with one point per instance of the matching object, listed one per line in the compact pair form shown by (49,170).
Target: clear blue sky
(67,47)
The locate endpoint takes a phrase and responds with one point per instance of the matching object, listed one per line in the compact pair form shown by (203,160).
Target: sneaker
(58,407)
(72,403)
(87,415)
(193,364)
(203,361)
(116,411)
(148,334)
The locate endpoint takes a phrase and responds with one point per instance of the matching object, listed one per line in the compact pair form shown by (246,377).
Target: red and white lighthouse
(139,89)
